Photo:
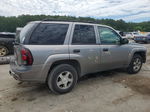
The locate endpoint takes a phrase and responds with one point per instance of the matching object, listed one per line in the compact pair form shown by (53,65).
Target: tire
(3,51)
(135,64)
(62,79)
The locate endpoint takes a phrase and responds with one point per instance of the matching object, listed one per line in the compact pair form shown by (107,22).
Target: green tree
(9,24)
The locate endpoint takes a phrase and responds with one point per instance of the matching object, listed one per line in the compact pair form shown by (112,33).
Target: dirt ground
(112,91)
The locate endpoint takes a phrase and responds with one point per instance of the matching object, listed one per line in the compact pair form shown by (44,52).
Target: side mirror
(124,41)
(121,33)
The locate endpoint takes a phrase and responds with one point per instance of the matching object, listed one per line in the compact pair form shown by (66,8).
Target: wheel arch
(72,62)
(142,54)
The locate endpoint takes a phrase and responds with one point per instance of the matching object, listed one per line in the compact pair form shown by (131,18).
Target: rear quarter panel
(45,55)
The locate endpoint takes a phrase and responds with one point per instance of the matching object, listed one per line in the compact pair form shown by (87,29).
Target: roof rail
(63,20)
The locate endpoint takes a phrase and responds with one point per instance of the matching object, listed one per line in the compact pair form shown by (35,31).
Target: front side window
(49,34)
(84,34)
(108,36)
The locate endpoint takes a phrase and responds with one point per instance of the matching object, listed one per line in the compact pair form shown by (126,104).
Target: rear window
(7,35)
(49,34)
(24,33)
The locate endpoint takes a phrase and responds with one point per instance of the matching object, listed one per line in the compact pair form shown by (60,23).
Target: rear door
(84,48)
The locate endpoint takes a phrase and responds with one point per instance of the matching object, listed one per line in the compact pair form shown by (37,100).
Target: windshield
(136,33)
(7,35)
(24,32)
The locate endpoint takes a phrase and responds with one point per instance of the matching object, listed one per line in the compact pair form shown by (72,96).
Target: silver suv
(59,53)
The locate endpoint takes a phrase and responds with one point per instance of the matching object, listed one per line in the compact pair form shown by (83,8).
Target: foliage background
(9,24)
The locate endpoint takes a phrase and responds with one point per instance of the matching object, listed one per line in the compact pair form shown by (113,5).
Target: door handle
(105,49)
(76,50)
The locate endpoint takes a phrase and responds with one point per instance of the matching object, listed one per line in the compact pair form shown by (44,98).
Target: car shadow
(32,91)
(106,74)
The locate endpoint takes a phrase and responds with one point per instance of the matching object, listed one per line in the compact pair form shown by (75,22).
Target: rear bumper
(17,77)
(26,73)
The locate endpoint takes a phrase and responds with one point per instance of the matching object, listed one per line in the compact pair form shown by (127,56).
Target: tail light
(26,56)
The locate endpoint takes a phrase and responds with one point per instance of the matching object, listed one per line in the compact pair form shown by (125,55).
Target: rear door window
(84,34)
(49,34)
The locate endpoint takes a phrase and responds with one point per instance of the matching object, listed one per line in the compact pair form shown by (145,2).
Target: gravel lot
(112,91)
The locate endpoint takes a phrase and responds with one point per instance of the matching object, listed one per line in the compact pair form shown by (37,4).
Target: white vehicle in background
(135,34)
(121,33)
(131,35)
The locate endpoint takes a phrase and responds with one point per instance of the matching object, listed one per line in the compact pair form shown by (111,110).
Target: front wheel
(135,64)
(62,79)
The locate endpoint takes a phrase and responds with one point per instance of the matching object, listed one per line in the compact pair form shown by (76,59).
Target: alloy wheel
(137,64)
(64,80)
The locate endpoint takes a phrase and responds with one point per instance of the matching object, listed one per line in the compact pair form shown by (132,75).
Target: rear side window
(84,34)
(49,34)
(24,33)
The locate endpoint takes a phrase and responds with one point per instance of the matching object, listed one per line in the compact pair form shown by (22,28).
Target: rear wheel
(62,79)
(135,65)
(3,51)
